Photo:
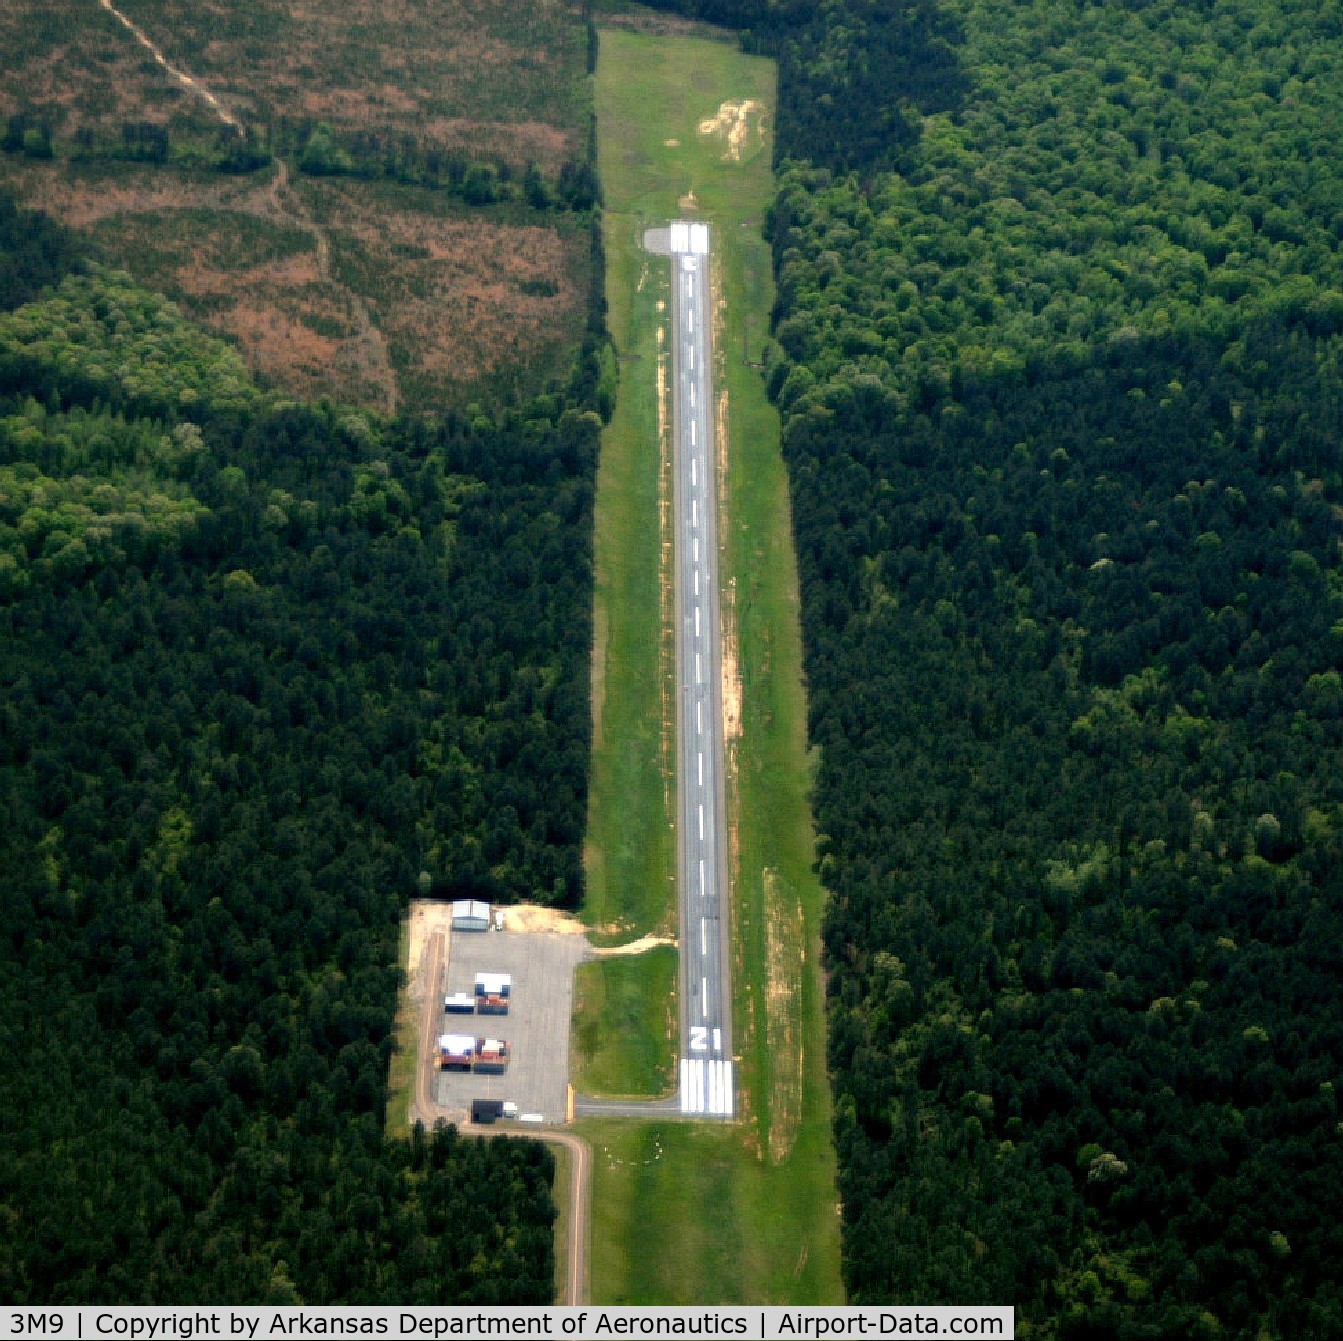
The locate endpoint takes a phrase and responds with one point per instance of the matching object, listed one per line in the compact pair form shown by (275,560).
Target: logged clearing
(360,290)
(490,76)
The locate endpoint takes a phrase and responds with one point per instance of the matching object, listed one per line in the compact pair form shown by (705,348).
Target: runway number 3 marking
(699,1038)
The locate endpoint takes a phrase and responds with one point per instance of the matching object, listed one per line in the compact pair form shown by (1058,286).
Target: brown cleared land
(382,295)
(482,75)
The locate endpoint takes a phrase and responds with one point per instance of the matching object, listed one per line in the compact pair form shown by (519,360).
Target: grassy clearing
(668,1197)
(563,1211)
(624,1035)
(631,854)
(683,1213)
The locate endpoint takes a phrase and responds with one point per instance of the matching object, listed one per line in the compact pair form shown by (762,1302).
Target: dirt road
(427,1112)
(366,353)
(181,76)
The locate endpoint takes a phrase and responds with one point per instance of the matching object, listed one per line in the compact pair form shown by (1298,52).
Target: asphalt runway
(707,1084)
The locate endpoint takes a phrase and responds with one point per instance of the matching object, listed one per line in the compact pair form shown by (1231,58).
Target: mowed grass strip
(630,852)
(624,1036)
(700,1212)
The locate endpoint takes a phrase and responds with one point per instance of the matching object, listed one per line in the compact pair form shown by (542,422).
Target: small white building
(456,1051)
(470,915)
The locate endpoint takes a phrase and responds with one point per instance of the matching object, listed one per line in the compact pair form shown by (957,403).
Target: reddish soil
(333,288)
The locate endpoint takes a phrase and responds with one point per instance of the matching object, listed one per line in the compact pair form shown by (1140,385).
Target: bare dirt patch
(731,668)
(384,67)
(740,125)
(641,946)
(458,299)
(533,917)
(785,958)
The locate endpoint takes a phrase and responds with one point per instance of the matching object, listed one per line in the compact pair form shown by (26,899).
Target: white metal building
(470,915)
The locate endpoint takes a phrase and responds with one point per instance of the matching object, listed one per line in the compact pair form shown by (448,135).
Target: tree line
(1058,362)
(268,670)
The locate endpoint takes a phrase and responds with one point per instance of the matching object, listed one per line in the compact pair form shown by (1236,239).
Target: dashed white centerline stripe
(701,821)
(704,996)
(699,671)
(697,621)
(703,937)
(701,877)
(693,472)
(696,581)
(700,757)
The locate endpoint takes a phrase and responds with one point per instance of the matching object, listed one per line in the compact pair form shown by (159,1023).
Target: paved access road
(706,1070)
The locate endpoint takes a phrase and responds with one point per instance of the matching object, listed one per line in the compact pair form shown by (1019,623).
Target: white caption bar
(585,1323)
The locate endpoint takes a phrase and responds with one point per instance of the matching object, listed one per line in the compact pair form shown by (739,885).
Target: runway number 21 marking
(699,1038)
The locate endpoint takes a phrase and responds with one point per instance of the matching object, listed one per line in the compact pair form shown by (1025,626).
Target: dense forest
(268,669)
(1060,362)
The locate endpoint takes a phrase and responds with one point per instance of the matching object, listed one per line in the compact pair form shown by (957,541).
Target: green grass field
(695,1213)
(624,1036)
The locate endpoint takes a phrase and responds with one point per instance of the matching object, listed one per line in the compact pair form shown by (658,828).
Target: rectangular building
(456,1052)
(470,915)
